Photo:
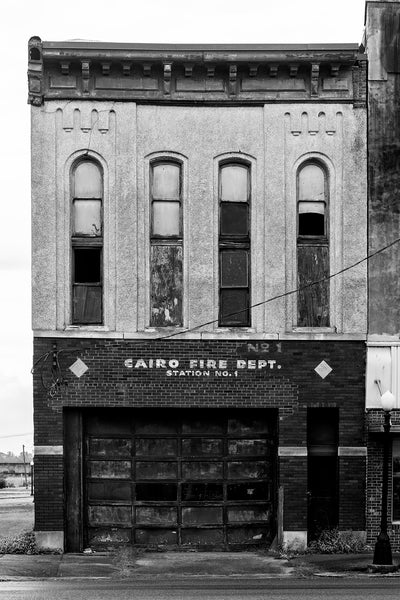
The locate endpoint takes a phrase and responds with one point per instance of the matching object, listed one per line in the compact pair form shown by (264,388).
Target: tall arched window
(87,243)
(312,245)
(234,245)
(166,244)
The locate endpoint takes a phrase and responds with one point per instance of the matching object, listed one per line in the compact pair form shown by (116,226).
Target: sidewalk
(150,565)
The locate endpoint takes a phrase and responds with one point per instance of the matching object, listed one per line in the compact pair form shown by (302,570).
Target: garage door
(189,479)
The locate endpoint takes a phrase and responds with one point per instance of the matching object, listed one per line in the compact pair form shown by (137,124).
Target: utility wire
(284,294)
(2,437)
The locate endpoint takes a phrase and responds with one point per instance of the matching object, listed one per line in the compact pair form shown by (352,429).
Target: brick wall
(292,388)
(48,479)
(374,480)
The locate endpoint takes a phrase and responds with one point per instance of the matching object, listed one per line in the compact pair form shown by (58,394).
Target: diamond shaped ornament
(78,368)
(323,369)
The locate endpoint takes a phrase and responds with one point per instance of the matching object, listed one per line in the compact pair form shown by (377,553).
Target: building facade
(383,346)
(199,340)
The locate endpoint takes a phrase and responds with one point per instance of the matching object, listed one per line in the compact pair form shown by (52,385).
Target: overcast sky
(208,21)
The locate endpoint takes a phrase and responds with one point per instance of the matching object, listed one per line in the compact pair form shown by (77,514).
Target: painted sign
(201,367)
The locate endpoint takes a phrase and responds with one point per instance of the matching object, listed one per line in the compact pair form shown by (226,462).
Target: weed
(23,543)
(334,541)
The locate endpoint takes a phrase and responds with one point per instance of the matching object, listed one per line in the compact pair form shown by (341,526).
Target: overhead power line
(289,293)
(16,435)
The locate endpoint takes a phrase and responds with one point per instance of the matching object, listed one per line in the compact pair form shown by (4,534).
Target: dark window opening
(34,54)
(87,244)
(87,265)
(311,224)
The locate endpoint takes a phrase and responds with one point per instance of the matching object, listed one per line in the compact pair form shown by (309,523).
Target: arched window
(87,243)
(166,244)
(312,245)
(234,245)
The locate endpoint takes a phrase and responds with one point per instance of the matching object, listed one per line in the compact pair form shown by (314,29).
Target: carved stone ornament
(314,80)
(232,79)
(85,75)
(167,78)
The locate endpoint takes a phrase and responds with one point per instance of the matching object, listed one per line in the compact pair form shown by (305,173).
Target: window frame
(234,242)
(156,163)
(176,241)
(86,241)
(321,240)
(324,238)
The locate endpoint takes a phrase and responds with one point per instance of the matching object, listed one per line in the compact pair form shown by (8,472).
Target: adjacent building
(383,345)
(199,342)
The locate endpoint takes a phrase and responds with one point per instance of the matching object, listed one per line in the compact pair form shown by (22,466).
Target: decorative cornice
(245,74)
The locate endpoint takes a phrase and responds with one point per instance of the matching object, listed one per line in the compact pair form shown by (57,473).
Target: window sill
(86,328)
(314,330)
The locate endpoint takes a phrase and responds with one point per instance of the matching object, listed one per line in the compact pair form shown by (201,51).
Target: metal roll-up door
(188,478)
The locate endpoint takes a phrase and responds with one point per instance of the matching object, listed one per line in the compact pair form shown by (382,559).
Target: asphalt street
(101,589)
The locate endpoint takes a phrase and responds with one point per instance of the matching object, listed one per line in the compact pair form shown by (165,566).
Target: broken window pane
(234,220)
(311,183)
(156,491)
(166,219)
(156,447)
(234,183)
(234,268)
(156,470)
(156,515)
(87,180)
(201,515)
(87,217)
(166,182)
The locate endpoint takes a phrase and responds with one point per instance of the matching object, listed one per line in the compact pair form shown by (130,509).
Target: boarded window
(166,285)
(166,255)
(234,245)
(87,243)
(312,247)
